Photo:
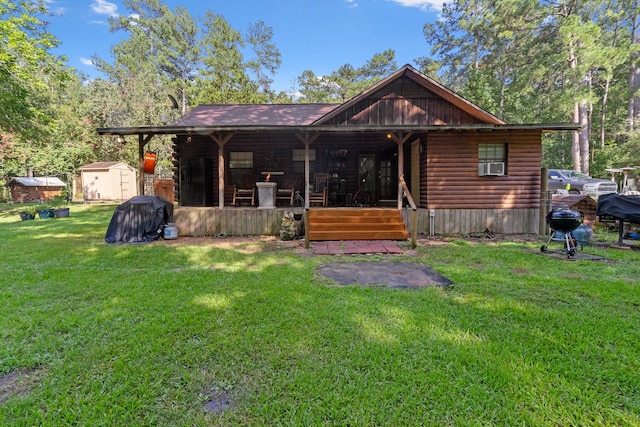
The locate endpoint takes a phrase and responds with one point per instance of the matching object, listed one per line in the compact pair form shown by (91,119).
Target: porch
(248,220)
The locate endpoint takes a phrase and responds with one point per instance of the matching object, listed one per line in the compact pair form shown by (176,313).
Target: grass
(148,334)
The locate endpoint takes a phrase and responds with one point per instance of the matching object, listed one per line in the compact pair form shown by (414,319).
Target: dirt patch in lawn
(18,383)
(387,274)
(218,404)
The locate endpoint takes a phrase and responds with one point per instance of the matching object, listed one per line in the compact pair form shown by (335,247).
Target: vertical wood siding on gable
(403,111)
(403,102)
(452,179)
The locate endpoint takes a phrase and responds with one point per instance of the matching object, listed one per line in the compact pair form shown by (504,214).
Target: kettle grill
(562,222)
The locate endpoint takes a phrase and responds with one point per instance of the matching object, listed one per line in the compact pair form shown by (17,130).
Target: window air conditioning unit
(491,169)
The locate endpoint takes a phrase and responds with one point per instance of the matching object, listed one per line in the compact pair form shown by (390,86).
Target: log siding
(452,180)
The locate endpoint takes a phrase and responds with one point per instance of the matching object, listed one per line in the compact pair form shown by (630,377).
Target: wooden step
(356,224)
(357,227)
(357,235)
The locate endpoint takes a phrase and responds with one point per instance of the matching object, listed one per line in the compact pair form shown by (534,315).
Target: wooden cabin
(406,142)
(35,189)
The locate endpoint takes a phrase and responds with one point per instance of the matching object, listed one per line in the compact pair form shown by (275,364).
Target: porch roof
(211,129)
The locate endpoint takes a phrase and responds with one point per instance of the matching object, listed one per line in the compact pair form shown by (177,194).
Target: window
(492,153)
(297,159)
(241,160)
(492,159)
(241,169)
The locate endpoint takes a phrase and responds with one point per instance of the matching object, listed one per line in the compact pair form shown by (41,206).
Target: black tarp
(626,208)
(139,219)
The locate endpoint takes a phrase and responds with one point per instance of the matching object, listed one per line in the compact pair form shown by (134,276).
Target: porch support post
(142,141)
(400,139)
(306,140)
(221,139)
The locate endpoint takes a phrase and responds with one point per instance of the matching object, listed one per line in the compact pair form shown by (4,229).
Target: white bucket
(170,232)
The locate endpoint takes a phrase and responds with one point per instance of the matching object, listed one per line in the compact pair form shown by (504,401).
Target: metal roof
(255,115)
(41,181)
(103,165)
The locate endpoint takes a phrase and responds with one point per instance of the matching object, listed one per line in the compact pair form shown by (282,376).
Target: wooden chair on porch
(244,195)
(284,196)
(320,187)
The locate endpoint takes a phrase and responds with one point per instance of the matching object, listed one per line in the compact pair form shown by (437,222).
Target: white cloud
(352,3)
(55,10)
(86,61)
(103,7)
(421,4)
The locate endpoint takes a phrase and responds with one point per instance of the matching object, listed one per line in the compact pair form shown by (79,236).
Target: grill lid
(564,220)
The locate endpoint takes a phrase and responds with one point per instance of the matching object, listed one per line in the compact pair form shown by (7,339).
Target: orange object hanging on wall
(149,162)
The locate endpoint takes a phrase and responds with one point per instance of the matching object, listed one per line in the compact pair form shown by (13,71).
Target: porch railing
(403,189)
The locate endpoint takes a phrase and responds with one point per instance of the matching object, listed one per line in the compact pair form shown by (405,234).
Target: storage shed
(33,189)
(108,181)
(577,202)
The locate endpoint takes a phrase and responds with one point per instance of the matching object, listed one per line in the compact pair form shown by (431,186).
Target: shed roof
(570,200)
(41,181)
(103,165)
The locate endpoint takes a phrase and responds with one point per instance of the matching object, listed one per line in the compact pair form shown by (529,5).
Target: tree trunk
(584,136)
(575,140)
(603,114)
(633,109)
(575,136)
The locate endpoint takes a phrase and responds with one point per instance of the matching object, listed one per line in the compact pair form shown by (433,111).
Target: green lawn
(148,334)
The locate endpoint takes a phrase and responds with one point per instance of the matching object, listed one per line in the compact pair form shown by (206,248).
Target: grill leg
(545,247)
(571,249)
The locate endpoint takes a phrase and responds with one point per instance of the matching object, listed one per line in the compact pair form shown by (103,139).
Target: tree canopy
(527,61)
(29,75)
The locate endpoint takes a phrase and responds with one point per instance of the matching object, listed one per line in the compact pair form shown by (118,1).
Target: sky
(316,35)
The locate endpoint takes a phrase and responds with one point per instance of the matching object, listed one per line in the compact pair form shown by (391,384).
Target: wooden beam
(221,139)
(306,140)
(400,139)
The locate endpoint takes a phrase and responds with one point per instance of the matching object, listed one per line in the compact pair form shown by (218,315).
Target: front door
(366,181)
(388,176)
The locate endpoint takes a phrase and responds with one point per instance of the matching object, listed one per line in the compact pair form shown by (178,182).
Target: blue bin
(582,234)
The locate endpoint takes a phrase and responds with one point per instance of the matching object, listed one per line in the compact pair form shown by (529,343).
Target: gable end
(403,102)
